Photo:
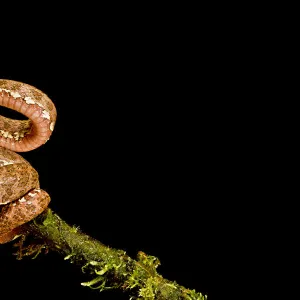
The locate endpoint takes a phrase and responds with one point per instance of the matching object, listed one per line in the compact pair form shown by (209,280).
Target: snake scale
(21,198)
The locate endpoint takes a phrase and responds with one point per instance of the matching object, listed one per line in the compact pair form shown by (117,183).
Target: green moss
(109,268)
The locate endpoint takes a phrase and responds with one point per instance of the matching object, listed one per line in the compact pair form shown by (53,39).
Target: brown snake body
(21,198)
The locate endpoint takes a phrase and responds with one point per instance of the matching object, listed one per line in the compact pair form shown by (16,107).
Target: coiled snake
(21,198)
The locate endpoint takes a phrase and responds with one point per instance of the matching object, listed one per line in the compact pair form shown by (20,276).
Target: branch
(110,268)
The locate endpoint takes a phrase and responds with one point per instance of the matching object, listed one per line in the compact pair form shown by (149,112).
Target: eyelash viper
(21,198)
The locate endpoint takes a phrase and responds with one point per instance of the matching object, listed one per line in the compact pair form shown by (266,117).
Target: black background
(164,141)
(129,162)
(138,158)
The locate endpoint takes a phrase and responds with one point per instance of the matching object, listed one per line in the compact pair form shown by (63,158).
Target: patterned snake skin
(21,198)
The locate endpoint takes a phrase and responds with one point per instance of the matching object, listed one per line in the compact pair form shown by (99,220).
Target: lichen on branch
(108,267)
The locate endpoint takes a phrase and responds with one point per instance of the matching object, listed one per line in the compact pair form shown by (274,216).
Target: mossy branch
(110,268)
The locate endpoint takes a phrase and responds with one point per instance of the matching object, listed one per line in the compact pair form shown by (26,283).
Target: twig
(110,268)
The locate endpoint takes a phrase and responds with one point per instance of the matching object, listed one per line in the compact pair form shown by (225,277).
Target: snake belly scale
(21,198)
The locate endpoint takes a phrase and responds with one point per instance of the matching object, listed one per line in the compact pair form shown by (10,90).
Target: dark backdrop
(133,160)
(163,141)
